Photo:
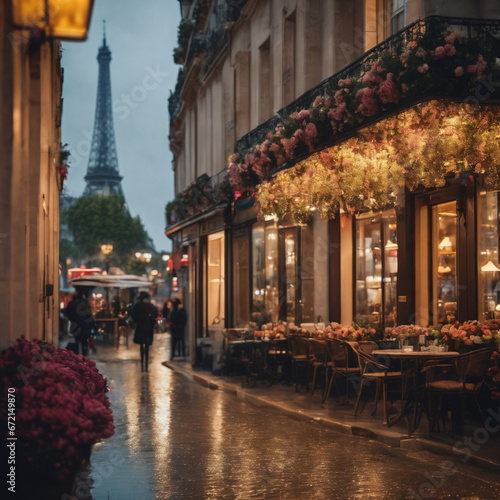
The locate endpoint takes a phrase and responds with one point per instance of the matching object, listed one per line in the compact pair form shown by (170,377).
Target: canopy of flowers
(417,148)
(436,62)
(61,407)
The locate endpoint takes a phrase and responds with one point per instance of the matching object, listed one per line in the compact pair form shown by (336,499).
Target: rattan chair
(321,360)
(300,357)
(372,371)
(343,364)
(455,386)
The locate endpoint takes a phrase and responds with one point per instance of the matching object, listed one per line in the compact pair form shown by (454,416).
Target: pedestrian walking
(144,315)
(166,312)
(80,315)
(178,320)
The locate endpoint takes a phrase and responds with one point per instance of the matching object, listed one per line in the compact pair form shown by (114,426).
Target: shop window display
(488,265)
(377,268)
(264,272)
(444,262)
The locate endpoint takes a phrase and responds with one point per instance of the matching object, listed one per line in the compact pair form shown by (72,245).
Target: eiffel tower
(102,171)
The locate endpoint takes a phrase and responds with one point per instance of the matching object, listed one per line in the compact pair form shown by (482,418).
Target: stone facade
(30,104)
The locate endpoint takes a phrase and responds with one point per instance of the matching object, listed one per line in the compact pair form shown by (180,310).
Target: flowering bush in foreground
(61,407)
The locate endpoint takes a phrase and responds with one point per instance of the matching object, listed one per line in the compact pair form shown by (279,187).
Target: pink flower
(439,52)
(423,68)
(459,71)
(303,115)
(450,50)
(388,91)
(337,113)
(420,52)
(452,37)
(368,106)
(373,76)
(310,133)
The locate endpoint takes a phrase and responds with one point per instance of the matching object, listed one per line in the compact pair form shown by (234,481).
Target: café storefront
(371,198)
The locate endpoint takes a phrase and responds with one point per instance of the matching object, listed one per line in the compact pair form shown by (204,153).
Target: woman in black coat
(144,315)
(178,320)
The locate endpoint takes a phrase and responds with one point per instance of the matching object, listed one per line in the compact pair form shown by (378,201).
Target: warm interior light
(445,243)
(489,267)
(59,19)
(390,245)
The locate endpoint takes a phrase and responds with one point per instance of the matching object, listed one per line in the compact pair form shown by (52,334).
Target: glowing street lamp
(107,250)
(65,20)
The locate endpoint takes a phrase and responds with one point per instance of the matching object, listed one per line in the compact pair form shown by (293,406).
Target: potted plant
(56,407)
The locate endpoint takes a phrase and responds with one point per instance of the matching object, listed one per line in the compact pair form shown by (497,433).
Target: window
(241,277)
(265,88)
(264,272)
(377,268)
(288,76)
(215,279)
(444,262)
(398,16)
(488,265)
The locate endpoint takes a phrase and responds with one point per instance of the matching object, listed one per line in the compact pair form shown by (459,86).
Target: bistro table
(251,353)
(413,407)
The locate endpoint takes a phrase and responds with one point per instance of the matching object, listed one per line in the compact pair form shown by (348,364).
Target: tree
(95,220)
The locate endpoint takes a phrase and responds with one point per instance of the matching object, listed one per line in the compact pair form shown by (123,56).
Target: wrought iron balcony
(466,69)
(202,195)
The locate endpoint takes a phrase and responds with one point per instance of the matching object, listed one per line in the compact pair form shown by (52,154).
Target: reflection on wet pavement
(176,439)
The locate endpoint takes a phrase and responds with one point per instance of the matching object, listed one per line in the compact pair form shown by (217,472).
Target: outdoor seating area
(412,373)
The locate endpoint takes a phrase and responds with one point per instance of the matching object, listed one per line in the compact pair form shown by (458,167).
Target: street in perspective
(177,439)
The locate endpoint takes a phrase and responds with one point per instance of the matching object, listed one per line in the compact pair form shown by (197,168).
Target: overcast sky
(141,36)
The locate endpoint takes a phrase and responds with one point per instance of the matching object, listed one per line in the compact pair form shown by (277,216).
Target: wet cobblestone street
(176,439)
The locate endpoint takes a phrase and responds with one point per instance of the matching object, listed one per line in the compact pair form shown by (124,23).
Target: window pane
(258,273)
(444,276)
(390,271)
(271,276)
(377,269)
(290,276)
(488,265)
(215,279)
(241,263)
(369,270)
(307,274)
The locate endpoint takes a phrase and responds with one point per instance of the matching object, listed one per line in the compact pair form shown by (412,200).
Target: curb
(415,444)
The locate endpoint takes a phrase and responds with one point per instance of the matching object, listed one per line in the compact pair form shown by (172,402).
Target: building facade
(363,149)
(32,174)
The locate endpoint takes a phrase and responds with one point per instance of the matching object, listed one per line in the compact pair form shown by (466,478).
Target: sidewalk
(479,446)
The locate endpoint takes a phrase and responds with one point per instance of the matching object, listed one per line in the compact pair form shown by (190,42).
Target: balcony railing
(201,196)
(423,83)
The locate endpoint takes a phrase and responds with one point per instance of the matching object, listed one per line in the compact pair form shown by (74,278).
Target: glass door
(290,282)
(376,269)
(444,262)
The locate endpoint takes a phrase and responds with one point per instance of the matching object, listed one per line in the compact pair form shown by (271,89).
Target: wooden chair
(321,360)
(343,364)
(278,360)
(455,386)
(371,371)
(235,358)
(300,357)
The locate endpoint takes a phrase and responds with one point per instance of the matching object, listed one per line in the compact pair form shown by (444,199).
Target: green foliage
(95,220)
(65,153)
